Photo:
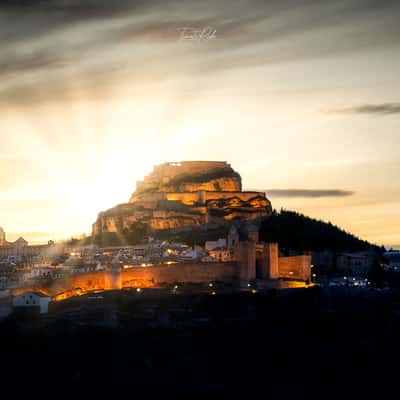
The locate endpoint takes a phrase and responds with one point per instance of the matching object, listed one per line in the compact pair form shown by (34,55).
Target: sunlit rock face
(188,193)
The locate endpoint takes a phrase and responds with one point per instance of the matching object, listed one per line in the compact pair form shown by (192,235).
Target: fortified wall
(256,261)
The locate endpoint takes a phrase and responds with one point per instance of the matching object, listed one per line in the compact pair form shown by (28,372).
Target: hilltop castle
(184,194)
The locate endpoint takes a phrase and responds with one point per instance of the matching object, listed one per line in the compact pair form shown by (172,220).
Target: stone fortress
(186,194)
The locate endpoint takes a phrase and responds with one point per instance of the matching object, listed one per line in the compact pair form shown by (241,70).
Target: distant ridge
(296,231)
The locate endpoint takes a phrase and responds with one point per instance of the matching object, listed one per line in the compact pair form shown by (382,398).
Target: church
(21,242)
(21,248)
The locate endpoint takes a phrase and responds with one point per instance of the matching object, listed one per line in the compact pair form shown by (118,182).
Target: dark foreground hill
(303,345)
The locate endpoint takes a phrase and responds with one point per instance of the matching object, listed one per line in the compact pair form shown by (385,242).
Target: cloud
(48,44)
(376,109)
(307,192)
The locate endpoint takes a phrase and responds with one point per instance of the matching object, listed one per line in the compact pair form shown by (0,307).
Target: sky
(301,97)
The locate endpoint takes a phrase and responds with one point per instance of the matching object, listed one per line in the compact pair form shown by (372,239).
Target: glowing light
(291,273)
(314,275)
(210,284)
(171,262)
(213,293)
(138,289)
(254,291)
(248,285)
(176,287)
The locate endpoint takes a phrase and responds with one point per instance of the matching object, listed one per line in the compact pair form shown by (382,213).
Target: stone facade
(188,193)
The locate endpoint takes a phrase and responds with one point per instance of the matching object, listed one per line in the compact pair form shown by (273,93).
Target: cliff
(189,193)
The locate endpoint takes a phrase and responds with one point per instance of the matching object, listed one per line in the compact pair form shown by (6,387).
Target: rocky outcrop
(189,193)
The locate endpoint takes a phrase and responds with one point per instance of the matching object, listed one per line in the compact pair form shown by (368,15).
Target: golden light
(138,289)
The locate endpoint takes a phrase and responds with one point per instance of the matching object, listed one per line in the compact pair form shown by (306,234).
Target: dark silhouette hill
(296,231)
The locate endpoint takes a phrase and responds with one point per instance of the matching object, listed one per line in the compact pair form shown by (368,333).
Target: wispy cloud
(377,109)
(306,192)
(47,44)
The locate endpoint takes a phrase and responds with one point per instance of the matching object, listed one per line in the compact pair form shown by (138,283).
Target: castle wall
(183,272)
(147,200)
(164,173)
(138,277)
(296,267)
(172,170)
(245,254)
(188,198)
(244,269)
(244,196)
(272,260)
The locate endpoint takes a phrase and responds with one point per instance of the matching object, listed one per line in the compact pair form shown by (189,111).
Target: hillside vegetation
(296,231)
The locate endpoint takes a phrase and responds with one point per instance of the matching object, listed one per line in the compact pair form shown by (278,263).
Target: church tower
(3,241)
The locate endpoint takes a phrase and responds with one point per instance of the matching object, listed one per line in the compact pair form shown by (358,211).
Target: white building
(33,299)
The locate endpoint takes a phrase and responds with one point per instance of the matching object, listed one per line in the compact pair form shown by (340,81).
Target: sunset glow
(292,98)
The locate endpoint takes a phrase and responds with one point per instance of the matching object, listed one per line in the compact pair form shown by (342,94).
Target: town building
(23,252)
(392,261)
(356,263)
(32,300)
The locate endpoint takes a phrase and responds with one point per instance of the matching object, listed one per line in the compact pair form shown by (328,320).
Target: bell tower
(2,237)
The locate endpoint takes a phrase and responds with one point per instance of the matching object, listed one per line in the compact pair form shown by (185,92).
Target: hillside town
(177,197)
